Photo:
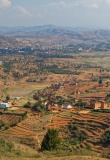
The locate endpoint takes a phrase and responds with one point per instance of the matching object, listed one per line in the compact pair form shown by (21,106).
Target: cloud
(61,4)
(88,4)
(23,11)
(82,3)
(5,3)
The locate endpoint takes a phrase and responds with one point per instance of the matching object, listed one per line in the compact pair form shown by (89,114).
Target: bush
(27,105)
(106,137)
(72,127)
(88,146)
(6,146)
(39,107)
(81,104)
(2,124)
(77,135)
(51,140)
(7,98)
(80,135)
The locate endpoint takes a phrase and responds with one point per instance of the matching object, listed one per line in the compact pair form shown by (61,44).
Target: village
(54,100)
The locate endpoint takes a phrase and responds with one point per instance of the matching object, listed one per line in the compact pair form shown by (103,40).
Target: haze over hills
(57,35)
(10,30)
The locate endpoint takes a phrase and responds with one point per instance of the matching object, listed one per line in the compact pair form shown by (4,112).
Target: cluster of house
(56,86)
(98,104)
(53,106)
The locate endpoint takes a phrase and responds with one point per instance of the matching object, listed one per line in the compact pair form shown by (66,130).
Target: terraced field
(94,124)
(32,127)
(31,131)
(9,118)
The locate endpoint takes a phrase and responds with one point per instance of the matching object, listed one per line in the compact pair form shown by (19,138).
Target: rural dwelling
(95,104)
(4,105)
(52,106)
(104,105)
(67,106)
(17,98)
(99,105)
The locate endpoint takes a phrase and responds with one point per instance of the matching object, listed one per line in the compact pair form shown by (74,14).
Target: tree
(51,140)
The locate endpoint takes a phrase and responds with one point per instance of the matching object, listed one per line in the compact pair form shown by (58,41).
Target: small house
(95,104)
(17,98)
(67,106)
(104,105)
(52,106)
(4,105)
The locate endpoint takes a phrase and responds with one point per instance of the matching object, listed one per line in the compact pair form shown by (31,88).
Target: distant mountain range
(10,30)
(58,35)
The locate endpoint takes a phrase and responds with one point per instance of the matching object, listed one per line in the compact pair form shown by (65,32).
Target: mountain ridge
(5,29)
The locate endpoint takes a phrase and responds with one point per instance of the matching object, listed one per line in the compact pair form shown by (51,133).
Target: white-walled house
(67,106)
(4,105)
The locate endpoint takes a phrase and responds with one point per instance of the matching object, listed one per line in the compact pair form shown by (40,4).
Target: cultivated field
(94,124)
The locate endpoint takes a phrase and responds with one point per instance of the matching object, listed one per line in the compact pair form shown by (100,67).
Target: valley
(49,82)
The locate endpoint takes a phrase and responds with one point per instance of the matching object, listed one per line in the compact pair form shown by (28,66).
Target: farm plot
(94,126)
(10,119)
(33,126)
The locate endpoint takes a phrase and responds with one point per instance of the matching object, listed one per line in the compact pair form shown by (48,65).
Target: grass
(55,158)
(95,114)
(54,155)
(24,100)
(25,89)
(12,151)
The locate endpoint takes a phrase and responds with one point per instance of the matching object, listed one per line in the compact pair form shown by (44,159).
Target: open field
(25,89)
(58,158)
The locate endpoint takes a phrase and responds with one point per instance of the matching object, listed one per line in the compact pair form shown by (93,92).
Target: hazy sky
(73,13)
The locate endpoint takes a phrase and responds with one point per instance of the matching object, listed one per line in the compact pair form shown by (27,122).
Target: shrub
(106,137)
(6,146)
(39,107)
(2,124)
(72,127)
(88,146)
(7,98)
(27,105)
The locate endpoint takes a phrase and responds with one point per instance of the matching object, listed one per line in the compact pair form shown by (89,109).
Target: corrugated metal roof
(4,105)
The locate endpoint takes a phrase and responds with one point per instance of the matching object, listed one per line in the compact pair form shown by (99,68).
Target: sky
(70,13)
